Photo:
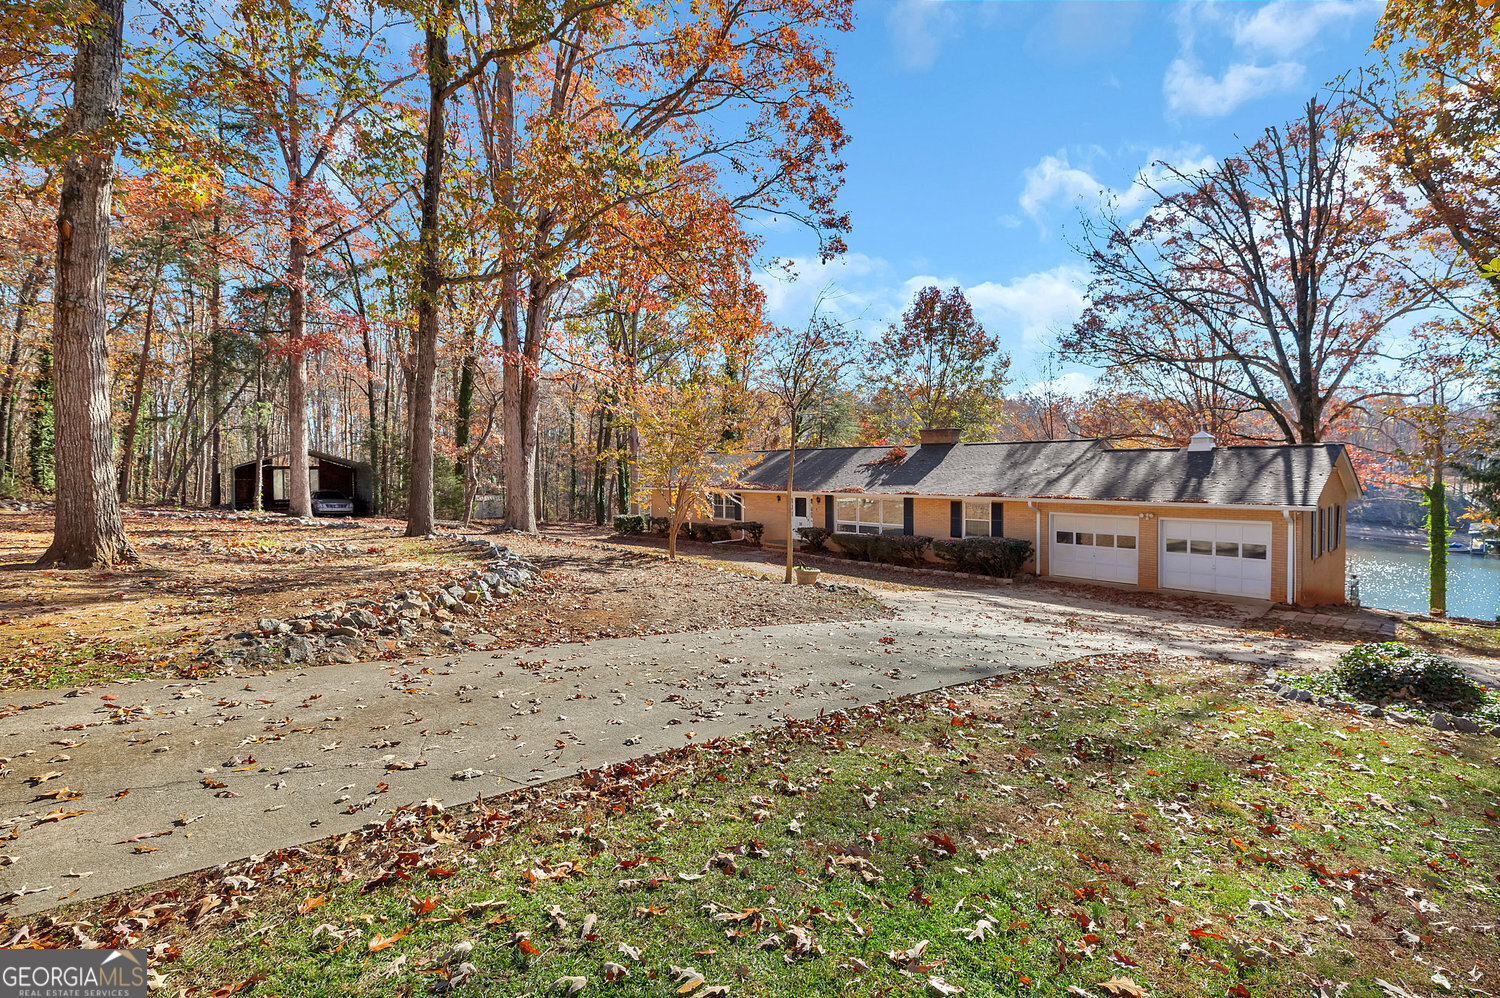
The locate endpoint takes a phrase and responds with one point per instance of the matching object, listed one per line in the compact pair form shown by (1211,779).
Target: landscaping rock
(1441,721)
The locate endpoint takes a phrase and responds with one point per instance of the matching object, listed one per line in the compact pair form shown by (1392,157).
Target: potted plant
(808,576)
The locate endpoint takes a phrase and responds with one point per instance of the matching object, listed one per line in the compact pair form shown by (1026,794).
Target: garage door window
(1126,541)
(1227,549)
(1176,545)
(1201,547)
(1256,552)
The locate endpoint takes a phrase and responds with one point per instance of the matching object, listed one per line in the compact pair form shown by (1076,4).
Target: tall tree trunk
(10,394)
(88,529)
(791,503)
(420,519)
(372,441)
(258,480)
(143,365)
(1437,538)
(464,398)
(572,461)
(299,496)
(216,355)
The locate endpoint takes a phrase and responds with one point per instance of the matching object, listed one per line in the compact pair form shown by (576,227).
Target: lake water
(1395,577)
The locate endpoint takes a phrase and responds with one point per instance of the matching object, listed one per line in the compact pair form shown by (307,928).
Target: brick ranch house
(1258,522)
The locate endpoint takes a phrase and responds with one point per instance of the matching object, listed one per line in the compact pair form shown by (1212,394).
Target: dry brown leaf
(383,942)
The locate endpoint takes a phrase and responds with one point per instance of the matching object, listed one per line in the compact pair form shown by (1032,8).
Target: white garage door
(1093,547)
(1216,556)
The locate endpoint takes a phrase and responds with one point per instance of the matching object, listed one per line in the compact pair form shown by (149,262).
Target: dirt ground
(201,577)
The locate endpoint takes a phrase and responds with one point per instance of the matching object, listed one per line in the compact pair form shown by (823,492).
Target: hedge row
(639,523)
(998,556)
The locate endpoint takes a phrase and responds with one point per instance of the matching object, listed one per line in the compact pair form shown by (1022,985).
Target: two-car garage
(1226,557)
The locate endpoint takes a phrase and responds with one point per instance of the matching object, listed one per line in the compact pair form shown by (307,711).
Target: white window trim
(717,500)
(988,518)
(839,524)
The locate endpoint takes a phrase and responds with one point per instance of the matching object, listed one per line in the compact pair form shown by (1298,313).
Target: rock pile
(1435,719)
(412,621)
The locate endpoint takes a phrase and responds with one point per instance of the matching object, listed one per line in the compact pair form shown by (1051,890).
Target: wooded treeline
(489,246)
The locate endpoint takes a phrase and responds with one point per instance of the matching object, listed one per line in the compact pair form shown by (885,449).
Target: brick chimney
(938,436)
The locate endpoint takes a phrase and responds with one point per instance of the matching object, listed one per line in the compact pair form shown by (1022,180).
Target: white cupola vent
(1202,440)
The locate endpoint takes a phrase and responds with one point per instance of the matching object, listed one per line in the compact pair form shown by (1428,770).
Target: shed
(355,479)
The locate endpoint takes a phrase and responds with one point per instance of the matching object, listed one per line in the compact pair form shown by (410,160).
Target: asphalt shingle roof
(1285,475)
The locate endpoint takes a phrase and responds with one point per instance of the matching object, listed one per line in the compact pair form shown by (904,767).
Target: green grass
(1115,820)
(1327,684)
(1452,637)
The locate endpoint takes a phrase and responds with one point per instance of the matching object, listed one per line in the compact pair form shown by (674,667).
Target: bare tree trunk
(420,519)
(791,503)
(10,395)
(258,493)
(299,497)
(88,530)
(143,365)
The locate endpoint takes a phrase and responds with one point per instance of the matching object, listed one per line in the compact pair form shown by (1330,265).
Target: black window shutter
(1338,525)
(828,513)
(908,515)
(997,519)
(956,518)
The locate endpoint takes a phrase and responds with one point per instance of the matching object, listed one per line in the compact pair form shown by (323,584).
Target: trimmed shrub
(1389,670)
(753,530)
(708,532)
(856,546)
(631,523)
(887,549)
(814,538)
(1001,557)
(901,549)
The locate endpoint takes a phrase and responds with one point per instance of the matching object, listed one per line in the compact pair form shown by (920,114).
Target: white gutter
(1291,558)
(1032,501)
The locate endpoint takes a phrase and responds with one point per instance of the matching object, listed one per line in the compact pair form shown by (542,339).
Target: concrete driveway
(172,777)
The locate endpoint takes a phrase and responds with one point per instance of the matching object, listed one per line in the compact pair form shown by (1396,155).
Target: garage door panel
(1102,548)
(1227,557)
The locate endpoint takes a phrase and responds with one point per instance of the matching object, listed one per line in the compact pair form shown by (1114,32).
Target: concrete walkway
(226,768)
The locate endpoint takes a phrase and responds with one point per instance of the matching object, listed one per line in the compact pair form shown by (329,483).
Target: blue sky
(980,127)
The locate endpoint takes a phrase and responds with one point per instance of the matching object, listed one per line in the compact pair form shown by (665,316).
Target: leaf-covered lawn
(1453,637)
(1125,826)
(203,578)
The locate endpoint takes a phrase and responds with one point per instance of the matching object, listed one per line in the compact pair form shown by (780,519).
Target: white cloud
(854,287)
(1073,384)
(1191,91)
(1286,27)
(1034,306)
(1055,180)
(1265,42)
(918,28)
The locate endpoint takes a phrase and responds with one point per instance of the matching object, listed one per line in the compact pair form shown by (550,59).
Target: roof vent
(938,435)
(1202,440)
